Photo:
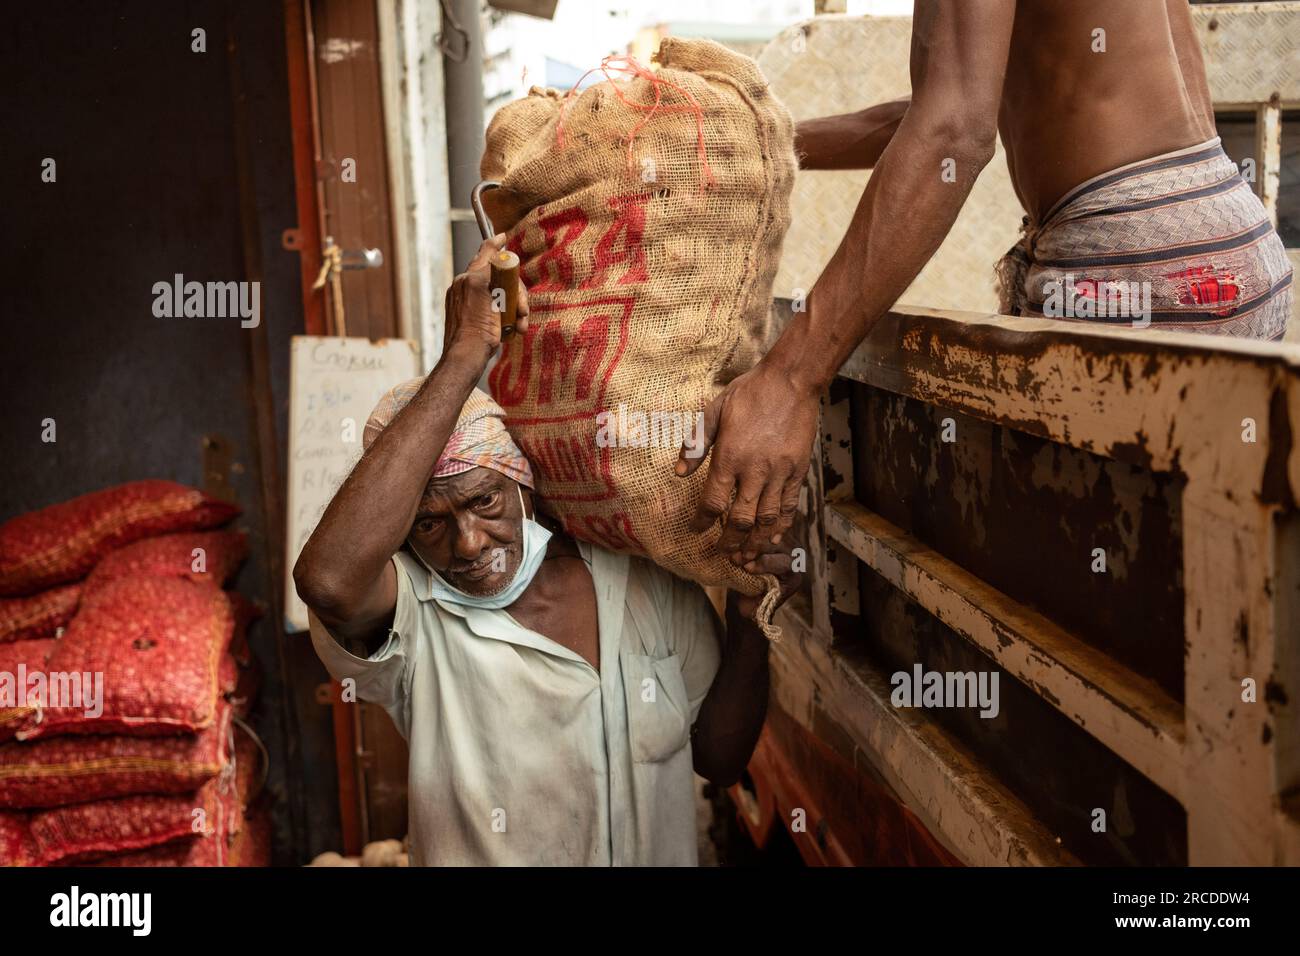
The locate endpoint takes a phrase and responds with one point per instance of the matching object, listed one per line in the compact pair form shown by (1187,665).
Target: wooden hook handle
(505,276)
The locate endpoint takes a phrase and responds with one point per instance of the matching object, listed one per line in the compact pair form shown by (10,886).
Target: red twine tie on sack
(630,68)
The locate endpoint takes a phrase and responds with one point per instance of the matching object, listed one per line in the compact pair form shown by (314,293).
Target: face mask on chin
(535,541)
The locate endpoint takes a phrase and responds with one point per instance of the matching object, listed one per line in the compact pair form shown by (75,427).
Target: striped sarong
(1181,238)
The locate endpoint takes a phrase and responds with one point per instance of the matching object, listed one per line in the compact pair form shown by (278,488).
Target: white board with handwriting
(334,383)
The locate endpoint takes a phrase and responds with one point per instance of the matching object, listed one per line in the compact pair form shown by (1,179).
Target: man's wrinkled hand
(472,323)
(760,430)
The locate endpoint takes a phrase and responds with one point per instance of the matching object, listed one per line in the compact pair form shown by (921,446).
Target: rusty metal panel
(1055,768)
(835,601)
(1161,433)
(816,782)
(1025,514)
(1129,714)
(1161,400)
(952,792)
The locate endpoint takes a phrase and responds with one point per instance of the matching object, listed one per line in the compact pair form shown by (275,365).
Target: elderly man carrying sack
(555,696)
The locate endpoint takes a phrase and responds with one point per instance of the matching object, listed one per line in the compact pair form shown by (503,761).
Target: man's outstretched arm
(761,427)
(848,140)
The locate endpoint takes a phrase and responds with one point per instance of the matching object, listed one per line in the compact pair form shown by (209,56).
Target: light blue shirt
(520,752)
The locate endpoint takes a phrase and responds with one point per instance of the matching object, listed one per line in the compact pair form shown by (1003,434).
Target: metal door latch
(333,261)
(360,258)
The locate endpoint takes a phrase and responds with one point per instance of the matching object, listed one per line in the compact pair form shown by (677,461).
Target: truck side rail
(1223,417)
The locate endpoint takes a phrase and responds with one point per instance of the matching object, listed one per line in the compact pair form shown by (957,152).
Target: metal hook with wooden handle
(504,263)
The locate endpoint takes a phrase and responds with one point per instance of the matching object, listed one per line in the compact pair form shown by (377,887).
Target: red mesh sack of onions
(205,557)
(87,831)
(16,657)
(63,542)
(237,838)
(204,828)
(57,771)
(155,646)
(38,615)
(15,839)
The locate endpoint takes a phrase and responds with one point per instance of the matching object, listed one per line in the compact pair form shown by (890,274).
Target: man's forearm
(732,714)
(370,516)
(910,203)
(849,140)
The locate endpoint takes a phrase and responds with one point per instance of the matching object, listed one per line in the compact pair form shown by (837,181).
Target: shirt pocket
(657,709)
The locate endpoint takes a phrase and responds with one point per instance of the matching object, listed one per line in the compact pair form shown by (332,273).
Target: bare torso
(1069,113)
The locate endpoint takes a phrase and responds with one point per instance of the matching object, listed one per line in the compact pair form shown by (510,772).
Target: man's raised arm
(761,427)
(344,573)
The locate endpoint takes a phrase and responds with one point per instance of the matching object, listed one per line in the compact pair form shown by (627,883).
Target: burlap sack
(649,237)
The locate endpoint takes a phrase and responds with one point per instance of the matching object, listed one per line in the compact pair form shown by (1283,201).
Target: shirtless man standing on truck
(1105,114)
